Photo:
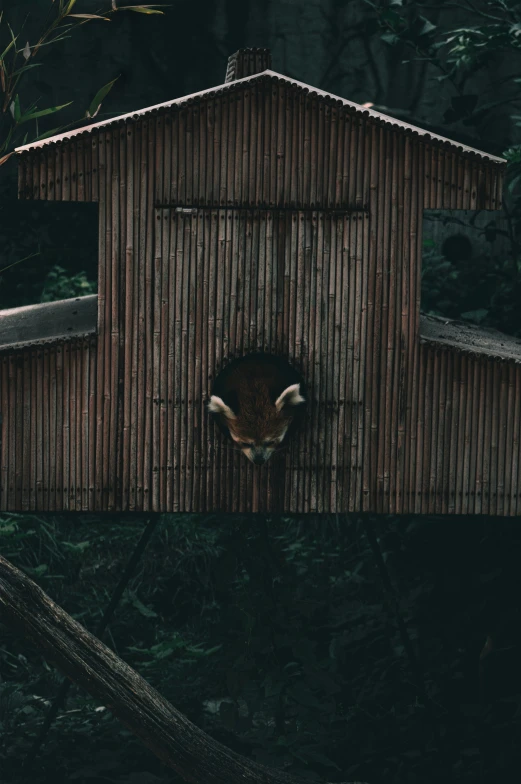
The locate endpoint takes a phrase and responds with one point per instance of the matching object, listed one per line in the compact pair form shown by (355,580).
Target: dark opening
(49,252)
(456,248)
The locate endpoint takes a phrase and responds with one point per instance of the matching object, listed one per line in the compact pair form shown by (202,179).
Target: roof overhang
(469,338)
(265,75)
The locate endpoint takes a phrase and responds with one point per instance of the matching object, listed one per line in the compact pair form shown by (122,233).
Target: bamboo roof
(270,76)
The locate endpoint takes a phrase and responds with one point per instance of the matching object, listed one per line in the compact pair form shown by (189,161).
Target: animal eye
(268,443)
(245,445)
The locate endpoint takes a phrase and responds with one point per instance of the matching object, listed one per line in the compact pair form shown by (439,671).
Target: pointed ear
(290,397)
(218,406)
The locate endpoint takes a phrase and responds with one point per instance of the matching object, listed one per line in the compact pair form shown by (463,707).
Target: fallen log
(84,659)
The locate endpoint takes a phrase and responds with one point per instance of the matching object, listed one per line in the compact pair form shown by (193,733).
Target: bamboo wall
(48,455)
(463,452)
(257,217)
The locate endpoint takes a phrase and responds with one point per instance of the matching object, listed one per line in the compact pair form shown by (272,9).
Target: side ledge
(48,321)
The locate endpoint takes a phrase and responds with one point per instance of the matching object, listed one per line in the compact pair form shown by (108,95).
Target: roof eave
(378,116)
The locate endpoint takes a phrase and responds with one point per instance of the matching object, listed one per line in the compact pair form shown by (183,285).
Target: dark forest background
(277,636)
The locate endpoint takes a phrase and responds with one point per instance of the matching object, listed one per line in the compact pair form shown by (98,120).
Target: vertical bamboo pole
(515,504)
(53,413)
(73,439)
(163,241)
(191,403)
(66,426)
(177,231)
(184,317)
(149,219)
(502,467)
(33,427)
(86,446)
(427,431)
(199,377)
(4,433)
(451,440)
(436,415)
(510,482)
(157,306)
(92,424)
(24,403)
(495,411)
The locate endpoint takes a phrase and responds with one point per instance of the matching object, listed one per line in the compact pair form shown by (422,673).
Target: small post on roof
(246,62)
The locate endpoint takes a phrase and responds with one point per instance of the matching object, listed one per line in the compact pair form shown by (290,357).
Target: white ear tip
(290,397)
(215,405)
(218,406)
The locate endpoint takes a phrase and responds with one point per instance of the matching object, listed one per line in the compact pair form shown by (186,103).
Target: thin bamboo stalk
(92,426)
(447,434)
(52,426)
(515,505)
(25,402)
(191,404)
(494,414)
(510,480)
(157,465)
(5,433)
(177,389)
(502,466)
(148,226)
(84,440)
(427,433)
(436,418)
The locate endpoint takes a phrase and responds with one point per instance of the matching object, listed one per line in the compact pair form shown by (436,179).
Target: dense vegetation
(278,636)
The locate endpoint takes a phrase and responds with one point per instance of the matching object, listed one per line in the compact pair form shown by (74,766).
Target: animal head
(260,425)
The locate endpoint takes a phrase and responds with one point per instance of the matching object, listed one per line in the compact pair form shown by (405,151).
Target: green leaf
(42,112)
(15,109)
(390,38)
(95,104)
(475,315)
(89,16)
(76,547)
(143,609)
(214,649)
(25,68)
(13,41)
(69,8)
(141,9)
(37,571)
(427,28)
(49,133)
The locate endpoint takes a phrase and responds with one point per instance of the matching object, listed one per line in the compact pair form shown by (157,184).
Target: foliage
(59,285)
(17,59)
(275,636)
(41,237)
(458,56)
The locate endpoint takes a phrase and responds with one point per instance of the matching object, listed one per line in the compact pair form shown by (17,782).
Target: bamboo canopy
(261,215)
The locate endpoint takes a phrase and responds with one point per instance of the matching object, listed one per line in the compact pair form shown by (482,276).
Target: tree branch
(195,756)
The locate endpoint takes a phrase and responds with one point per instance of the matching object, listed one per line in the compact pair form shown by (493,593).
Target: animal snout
(259,456)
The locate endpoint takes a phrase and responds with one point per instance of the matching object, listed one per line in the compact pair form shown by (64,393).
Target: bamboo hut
(261,214)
